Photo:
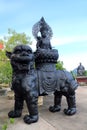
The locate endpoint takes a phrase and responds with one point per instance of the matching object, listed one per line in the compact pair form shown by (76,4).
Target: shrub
(59,65)
(5,72)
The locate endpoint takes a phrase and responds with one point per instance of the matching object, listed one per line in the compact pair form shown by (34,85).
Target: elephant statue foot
(71,102)
(15,114)
(54,108)
(30,119)
(70,111)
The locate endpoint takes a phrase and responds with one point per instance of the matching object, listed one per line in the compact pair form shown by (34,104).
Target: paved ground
(48,120)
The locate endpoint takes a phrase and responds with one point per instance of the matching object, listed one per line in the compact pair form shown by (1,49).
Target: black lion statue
(29,82)
(24,83)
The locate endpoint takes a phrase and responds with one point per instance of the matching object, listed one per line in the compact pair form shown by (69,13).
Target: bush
(59,65)
(10,41)
(5,72)
(85,73)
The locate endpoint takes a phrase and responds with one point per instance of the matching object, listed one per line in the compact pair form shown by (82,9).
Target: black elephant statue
(29,82)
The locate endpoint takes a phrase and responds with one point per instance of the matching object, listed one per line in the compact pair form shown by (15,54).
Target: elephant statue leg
(57,102)
(32,104)
(71,110)
(18,106)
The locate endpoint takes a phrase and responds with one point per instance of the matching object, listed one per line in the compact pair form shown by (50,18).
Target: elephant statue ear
(8,54)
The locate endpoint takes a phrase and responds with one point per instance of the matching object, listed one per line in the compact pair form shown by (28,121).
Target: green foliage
(2,55)
(5,68)
(10,42)
(10,121)
(5,72)
(85,73)
(59,65)
(15,38)
(73,74)
(4,127)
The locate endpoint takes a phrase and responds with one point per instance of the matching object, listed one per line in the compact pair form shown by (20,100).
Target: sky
(67,18)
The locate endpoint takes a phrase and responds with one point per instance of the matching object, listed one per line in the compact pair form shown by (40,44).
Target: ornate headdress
(40,26)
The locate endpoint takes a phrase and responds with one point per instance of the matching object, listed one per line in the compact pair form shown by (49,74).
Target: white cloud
(72,61)
(33,46)
(66,40)
(1,36)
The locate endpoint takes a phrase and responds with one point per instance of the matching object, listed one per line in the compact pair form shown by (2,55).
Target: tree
(59,65)
(15,38)
(10,42)
(85,73)
(5,72)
